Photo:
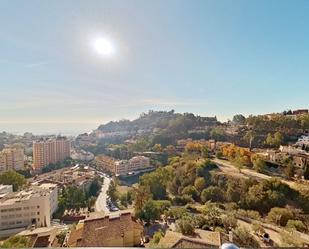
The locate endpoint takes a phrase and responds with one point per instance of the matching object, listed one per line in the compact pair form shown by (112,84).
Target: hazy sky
(206,57)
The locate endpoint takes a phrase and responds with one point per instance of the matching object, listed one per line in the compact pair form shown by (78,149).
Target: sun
(104,46)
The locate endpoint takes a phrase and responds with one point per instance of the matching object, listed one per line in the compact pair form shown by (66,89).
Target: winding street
(100,205)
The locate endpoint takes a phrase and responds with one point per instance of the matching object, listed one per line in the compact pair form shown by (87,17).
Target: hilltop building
(50,151)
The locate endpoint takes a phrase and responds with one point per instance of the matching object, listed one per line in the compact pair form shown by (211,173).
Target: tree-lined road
(100,205)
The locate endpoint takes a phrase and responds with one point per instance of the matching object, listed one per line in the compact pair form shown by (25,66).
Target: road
(100,205)
(229,168)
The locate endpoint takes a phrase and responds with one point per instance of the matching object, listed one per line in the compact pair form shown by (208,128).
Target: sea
(65,129)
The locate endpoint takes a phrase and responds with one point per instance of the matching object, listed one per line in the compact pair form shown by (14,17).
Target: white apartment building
(135,164)
(121,167)
(31,207)
(138,162)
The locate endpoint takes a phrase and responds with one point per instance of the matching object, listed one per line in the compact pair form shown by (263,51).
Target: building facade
(12,158)
(123,167)
(31,207)
(50,151)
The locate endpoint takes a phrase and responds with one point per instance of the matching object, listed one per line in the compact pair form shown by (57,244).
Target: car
(114,209)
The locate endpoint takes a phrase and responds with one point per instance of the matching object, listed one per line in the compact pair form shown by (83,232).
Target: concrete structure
(5,189)
(12,158)
(30,207)
(105,231)
(50,151)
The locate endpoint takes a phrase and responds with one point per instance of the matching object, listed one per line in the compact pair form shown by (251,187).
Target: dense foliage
(12,178)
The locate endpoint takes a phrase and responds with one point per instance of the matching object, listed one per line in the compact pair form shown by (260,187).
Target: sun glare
(104,46)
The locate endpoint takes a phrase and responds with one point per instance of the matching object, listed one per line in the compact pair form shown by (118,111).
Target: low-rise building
(138,163)
(106,231)
(31,207)
(105,163)
(123,167)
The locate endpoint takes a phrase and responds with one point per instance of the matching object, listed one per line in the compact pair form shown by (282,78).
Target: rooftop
(201,239)
(27,194)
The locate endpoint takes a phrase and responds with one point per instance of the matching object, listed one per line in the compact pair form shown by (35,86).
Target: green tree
(217,133)
(212,193)
(296,225)
(259,164)
(306,171)
(239,119)
(16,242)
(91,202)
(289,169)
(157,182)
(278,139)
(94,188)
(191,191)
(141,196)
(13,178)
(219,154)
(112,191)
(280,216)
(150,212)
(157,148)
(243,238)
(229,222)
(249,138)
(269,139)
(200,184)
(185,226)
(157,236)
(275,140)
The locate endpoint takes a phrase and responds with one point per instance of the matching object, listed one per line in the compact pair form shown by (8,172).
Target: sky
(206,57)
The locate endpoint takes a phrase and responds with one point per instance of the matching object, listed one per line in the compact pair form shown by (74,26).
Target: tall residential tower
(50,151)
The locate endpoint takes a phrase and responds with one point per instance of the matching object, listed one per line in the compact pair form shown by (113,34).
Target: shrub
(279,216)
(185,227)
(191,191)
(297,225)
(214,194)
(243,238)
(182,200)
(229,222)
